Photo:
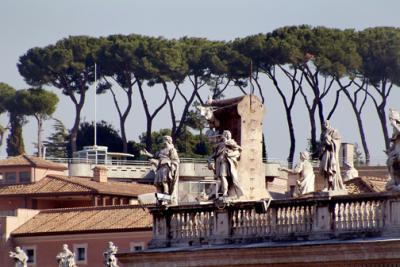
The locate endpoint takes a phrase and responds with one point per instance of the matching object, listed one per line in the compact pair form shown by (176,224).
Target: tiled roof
(366,184)
(64,184)
(26,160)
(88,219)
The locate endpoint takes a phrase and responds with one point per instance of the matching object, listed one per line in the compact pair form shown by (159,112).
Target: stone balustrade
(307,219)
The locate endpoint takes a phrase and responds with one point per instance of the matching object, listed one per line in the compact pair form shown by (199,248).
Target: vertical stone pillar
(243,117)
(221,226)
(346,153)
(322,222)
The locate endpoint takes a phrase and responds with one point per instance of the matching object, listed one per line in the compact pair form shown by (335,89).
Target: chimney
(100,174)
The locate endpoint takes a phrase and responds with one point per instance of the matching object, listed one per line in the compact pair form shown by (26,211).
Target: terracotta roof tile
(43,186)
(366,184)
(64,184)
(117,188)
(26,160)
(88,219)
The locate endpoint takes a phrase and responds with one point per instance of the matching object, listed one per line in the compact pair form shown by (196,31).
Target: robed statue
(66,258)
(224,163)
(329,158)
(306,182)
(20,257)
(393,161)
(110,260)
(166,162)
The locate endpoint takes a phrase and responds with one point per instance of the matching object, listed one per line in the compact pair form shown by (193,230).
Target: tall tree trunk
(15,140)
(123,135)
(171,109)
(149,116)
(363,139)
(382,119)
(149,141)
(357,113)
(313,137)
(321,114)
(123,120)
(78,109)
(39,135)
(188,103)
(123,115)
(292,148)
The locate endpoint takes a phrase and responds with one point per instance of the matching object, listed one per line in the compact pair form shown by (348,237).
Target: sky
(25,24)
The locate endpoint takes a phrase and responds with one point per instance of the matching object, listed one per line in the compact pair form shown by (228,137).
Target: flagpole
(95,105)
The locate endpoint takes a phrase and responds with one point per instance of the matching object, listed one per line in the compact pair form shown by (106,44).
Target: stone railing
(314,218)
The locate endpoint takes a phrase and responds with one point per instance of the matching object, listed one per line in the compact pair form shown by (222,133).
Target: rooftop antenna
(95,105)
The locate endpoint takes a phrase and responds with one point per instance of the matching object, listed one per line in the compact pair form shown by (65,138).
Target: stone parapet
(302,219)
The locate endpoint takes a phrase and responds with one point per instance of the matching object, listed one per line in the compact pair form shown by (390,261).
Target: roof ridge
(65,179)
(94,208)
(29,159)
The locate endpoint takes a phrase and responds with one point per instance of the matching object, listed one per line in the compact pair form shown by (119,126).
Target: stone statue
(306,181)
(350,172)
(109,255)
(166,162)
(393,161)
(224,164)
(20,257)
(66,258)
(329,158)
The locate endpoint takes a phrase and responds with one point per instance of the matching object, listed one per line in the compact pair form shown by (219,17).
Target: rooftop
(32,161)
(366,184)
(60,184)
(87,219)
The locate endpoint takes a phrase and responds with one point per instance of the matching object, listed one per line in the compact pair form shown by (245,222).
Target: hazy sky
(26,23)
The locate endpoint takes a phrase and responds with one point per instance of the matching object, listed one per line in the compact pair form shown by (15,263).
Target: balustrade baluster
(347,216)
(363,215)
(381,216)
(368,214)
(307,219)
(248,223)
(173,229)
(302,219)
(285,220)
(373,214)
(278,220)
(337,216)
(241,222)
(357,215)
(341,222)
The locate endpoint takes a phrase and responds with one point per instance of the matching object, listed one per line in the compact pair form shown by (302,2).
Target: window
(136,246)
(31,253)
(25,177)
(11,177)
(80,253)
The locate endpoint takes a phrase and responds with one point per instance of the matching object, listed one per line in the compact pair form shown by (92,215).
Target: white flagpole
(95,104)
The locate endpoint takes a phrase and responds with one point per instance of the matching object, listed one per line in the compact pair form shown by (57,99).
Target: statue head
(110,244)
(226,134)
(394,114)
(65,247)
(304,155)
(18,249)
(327,124)
(167,139)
